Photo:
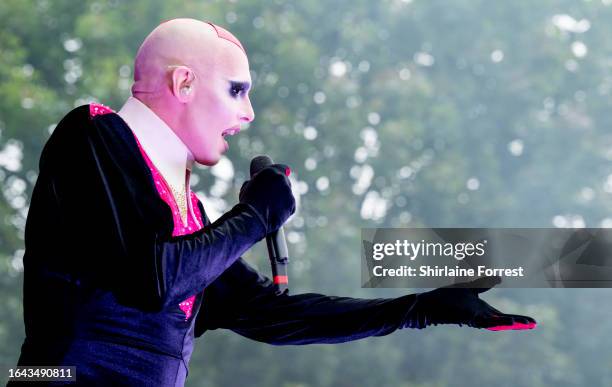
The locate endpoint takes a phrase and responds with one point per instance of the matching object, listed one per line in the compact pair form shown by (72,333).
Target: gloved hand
(460,304)
(269,193)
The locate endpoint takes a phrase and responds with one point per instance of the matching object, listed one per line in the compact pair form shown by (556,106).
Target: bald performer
(123,269)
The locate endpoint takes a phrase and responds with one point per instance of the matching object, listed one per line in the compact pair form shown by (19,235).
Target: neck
(165,108)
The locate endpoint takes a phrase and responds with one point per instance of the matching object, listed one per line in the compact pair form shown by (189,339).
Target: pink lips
(229,132)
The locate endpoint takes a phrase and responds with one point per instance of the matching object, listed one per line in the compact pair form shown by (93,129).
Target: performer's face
(220,104)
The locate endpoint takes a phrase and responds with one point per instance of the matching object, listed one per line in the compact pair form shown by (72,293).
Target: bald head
(179,42)
(195,76)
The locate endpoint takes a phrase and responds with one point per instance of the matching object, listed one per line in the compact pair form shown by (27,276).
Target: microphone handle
(277,246)
(279,259)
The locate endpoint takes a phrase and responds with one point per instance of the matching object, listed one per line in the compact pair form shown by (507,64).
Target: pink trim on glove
(515,326)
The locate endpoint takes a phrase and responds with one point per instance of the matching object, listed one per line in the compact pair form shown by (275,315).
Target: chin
(208,160)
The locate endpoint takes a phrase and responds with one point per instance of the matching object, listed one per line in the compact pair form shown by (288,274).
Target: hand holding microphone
(268,192)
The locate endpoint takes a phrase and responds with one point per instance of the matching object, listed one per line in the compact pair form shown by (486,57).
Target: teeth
(230,132)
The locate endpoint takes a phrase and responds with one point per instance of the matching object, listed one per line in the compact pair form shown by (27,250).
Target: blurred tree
(394,113)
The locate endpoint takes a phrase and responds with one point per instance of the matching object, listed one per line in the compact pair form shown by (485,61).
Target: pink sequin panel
(98,109)
(193,218)
(193,223)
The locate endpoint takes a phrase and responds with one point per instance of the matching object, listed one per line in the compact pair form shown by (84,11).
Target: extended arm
(245,302)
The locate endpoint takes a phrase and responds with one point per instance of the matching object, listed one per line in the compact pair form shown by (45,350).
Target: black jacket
(101,260)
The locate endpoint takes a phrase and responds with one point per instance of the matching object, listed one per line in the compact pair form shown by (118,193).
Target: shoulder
(83,115)
(79,118)
(72,134)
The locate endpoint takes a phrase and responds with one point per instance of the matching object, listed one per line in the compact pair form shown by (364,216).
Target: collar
(167,152)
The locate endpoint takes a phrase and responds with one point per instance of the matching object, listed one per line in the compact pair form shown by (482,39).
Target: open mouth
(230,132)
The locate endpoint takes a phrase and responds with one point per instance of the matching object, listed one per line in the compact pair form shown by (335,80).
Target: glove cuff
(259,223)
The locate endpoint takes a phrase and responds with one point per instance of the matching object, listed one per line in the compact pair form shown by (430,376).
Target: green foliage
(424,94)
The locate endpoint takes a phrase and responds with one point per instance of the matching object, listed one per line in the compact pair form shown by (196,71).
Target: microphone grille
(260,162)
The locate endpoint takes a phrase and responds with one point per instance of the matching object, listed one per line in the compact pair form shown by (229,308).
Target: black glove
(269,193)
(460,304)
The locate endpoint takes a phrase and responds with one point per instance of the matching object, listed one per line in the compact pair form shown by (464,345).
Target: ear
(182,83)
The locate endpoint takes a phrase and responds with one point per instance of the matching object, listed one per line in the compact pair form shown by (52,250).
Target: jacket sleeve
(123,234)
(245,302)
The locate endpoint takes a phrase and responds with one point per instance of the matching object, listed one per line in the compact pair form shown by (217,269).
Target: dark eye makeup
(238,88)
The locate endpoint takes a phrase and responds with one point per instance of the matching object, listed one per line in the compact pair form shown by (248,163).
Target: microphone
(277,246)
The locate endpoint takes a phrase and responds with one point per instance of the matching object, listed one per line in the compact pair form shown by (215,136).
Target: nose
(246,112)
